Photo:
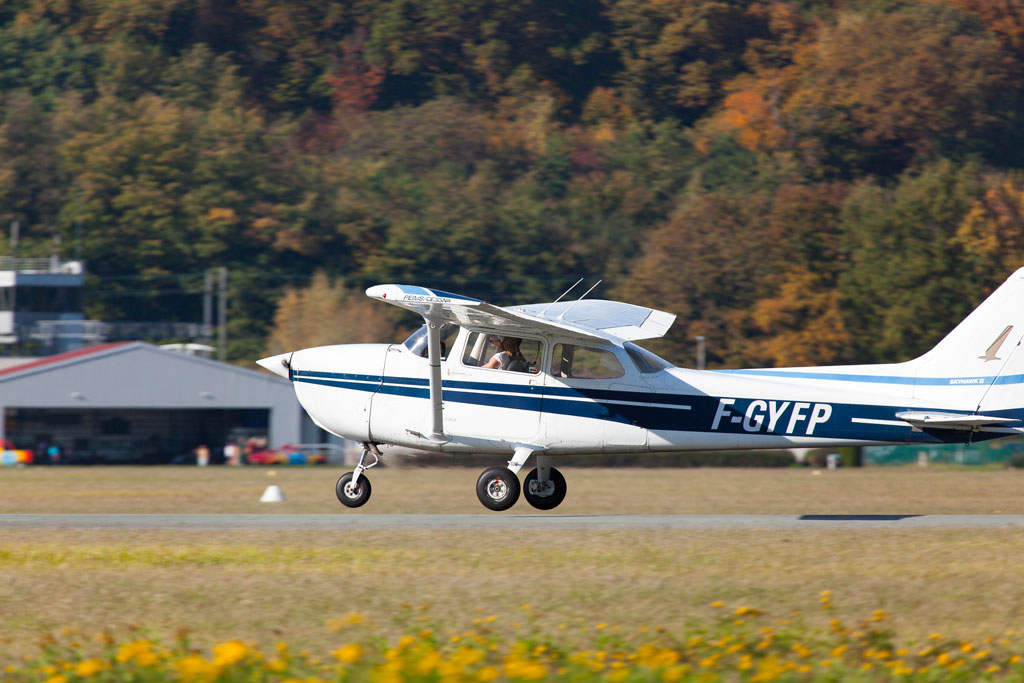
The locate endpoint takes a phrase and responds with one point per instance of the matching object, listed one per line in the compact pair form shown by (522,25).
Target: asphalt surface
(346,521)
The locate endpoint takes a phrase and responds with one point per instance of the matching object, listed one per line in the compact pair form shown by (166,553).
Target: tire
(553,495)
(353,499)
(498,489)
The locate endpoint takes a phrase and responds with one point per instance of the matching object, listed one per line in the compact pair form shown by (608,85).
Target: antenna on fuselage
(560,297)
(562,317)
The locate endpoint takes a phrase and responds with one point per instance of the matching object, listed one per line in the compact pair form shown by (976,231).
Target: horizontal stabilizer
(959,421)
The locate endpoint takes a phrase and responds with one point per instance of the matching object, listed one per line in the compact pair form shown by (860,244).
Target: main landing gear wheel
(498,488)
(352,496)
(547,495)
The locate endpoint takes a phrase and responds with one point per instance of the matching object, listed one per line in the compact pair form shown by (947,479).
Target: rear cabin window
(645,361)
(482,346)
(584,362)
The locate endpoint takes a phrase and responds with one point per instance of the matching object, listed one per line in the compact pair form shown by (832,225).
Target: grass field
(263,587)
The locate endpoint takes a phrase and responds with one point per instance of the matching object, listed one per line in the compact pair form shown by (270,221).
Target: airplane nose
(279,364)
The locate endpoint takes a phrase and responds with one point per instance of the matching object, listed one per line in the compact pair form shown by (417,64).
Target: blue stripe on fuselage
(695,413)
(882,379)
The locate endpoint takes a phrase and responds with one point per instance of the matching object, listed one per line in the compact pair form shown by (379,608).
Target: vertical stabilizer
(978,366)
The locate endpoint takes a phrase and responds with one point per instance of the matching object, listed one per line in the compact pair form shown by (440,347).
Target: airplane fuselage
(379,393)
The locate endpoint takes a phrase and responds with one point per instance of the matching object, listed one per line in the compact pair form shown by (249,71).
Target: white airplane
(582,386)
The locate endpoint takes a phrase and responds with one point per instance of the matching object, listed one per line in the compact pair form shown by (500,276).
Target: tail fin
(979,366)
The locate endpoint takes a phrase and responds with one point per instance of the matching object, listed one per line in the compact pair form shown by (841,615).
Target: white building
(42,290)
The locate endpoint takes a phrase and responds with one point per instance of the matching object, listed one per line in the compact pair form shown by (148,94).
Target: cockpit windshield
(417,341)
(646,362)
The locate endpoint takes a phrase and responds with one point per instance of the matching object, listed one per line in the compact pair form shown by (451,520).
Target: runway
(408,522)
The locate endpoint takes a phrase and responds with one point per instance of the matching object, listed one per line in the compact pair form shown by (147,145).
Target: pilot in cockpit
(508,357)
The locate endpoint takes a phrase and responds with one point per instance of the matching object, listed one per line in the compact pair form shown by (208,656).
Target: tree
(677,55)
(909,280)
(876,91)
(326,313)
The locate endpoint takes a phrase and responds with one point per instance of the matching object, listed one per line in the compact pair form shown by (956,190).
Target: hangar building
(137,402)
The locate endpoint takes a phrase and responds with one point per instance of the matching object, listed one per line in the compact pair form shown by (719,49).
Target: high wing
(585,320)
(591,320)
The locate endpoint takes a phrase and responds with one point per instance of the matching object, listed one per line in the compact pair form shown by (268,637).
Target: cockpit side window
(417,341)
(481,347)
(584,362)
(645,361)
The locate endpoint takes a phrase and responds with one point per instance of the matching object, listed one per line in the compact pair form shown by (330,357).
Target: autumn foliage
(792,179)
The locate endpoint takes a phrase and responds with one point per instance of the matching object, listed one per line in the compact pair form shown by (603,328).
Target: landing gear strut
(353,488)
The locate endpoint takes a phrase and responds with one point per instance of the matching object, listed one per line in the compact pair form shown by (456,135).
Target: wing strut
(436,402)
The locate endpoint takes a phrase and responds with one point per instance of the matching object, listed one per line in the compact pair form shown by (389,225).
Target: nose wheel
(352,494)
(353,488)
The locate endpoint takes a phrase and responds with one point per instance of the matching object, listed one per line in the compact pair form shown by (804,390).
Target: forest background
(801,182)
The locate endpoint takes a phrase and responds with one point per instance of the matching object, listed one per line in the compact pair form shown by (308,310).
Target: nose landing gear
(353,488)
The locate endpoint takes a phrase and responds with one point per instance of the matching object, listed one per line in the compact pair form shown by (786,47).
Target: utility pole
(208,305)
(14,242)
(14,267)
(222,342)
(700,352)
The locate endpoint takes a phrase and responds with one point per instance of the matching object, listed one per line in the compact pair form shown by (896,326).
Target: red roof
(61,357)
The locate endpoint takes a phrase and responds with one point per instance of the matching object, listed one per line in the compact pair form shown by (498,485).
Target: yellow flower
(675,673)
(966,647)
(137,651)
(277,665)
(428,663)
(90,667)
(488,673)
(992,669)
(349,654)
(744,611)
(942,659)
(1014,659)
(709,662)
(838,651)
(347,619)
(229,653)
(530,671)
(57,679)
(195,668)
(466,657)
(717,603)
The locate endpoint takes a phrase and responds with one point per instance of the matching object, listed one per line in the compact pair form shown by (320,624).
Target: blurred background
(801,182)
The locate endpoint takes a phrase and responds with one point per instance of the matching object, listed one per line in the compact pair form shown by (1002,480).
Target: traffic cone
(272,495)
